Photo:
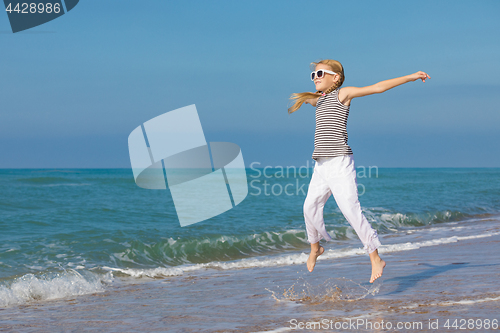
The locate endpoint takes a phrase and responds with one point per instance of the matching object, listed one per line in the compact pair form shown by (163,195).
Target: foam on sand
(29,287)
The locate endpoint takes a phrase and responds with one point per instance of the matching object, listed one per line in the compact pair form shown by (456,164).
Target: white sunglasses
(320,73)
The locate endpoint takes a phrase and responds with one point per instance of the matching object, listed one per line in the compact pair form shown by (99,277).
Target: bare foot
(311,262)
(377,268)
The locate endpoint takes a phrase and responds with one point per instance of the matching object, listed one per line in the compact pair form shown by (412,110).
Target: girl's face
(327,80)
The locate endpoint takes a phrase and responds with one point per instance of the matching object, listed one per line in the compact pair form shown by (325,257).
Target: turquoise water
(73,232)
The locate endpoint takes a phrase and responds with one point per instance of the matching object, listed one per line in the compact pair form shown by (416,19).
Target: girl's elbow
(378,89)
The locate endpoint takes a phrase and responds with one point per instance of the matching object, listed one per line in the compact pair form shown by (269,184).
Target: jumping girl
(334,170)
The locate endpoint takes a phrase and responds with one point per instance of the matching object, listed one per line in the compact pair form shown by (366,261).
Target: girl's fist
(420,75)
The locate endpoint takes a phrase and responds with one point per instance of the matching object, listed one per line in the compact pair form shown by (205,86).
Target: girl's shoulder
(338,97)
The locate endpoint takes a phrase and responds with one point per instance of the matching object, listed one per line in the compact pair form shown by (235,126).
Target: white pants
(336,175)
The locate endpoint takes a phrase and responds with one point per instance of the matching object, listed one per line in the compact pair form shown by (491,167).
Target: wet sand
(430,285)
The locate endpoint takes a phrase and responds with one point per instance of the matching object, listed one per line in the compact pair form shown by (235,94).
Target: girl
(334,170)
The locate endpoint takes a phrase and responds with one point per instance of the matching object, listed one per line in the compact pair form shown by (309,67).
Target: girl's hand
(419,75)
(311,101)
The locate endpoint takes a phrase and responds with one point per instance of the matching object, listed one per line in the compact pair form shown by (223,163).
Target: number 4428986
(464,324)
(32,8)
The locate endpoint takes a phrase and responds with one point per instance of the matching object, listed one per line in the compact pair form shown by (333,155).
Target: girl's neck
(329,90)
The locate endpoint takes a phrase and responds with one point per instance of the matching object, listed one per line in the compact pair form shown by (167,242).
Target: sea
(89,249)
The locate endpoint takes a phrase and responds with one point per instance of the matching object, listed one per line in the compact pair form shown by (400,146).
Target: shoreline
(449,280)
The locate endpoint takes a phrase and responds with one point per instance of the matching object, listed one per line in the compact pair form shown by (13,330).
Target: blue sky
(73,89)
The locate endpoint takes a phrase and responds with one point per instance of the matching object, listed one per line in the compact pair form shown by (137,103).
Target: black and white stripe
(330,138)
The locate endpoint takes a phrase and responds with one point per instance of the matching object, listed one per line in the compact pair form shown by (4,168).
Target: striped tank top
(330,137)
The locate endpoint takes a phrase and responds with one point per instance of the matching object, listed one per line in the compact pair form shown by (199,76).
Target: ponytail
(300,98)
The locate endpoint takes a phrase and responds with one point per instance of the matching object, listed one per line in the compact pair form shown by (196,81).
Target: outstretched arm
(348,93)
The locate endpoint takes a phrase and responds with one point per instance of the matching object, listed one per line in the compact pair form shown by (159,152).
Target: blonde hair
(300,98)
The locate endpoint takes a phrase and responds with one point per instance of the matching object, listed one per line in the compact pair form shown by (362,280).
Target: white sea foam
(290,259)
(278,330)
(29,288)
(450,303)
(153,272)
(432,242)
(469,301)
